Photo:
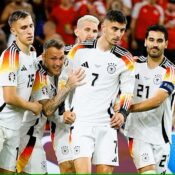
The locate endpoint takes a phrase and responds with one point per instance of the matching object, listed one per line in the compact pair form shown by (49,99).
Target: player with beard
(150,123)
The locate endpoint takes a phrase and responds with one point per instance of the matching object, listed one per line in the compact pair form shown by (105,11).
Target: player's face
(113,31)
(87,31)
(53,60)
(23,29)
(155,44)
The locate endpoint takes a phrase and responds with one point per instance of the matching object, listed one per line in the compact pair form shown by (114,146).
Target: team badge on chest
(157,79)
(12,76)
(111,69)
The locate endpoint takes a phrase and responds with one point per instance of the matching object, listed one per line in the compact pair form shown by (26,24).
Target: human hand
(75,78)
(117,120)
(69,117)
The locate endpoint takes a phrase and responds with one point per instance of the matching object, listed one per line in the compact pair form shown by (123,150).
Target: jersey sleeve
(127,81)
(168,83)
(40,90)
(9,65)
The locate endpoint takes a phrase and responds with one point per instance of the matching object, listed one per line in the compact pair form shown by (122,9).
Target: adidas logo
(114,160)
(85,64)
(23,68)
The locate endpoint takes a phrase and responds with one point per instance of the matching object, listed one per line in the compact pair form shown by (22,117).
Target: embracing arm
(150,103)
(73,81)
(11,98)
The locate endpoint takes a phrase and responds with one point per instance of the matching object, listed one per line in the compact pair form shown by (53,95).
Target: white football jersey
(106,73)
(43,89)
(153,126)
(16,69)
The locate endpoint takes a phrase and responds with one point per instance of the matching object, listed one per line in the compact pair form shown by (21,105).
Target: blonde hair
(88,18)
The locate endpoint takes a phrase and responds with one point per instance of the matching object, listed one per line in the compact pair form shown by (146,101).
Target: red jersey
(146,15)
(64,18)
(170,18)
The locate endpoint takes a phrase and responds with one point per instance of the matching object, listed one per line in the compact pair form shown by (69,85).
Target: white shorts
(9,144)
(97,142)
(61,145)
(32,157)
(145,154)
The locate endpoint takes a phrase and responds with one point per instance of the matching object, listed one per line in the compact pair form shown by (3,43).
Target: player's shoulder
(67,48)
(40,68)
(12,48)
(82,45)
(140,59)
(86,44)
(166,63)
(119,52)
(124,55)
(10,56)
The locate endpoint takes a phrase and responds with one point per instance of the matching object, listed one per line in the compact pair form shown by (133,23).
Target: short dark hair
(59,44)
(116,16)
(157,28)
(16,15)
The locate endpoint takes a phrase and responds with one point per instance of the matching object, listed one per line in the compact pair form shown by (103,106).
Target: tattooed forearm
(51,105)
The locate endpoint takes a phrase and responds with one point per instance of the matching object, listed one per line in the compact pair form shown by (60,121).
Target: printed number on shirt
(95,78)
(31,80)
(163,161)
(141,90)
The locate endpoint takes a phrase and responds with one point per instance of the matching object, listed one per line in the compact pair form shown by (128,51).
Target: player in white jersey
(108,67)
(32,157)
(17,72)
(149,127)
(87,29)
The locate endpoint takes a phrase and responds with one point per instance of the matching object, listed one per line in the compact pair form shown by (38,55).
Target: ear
(145,43)
(43,56)
(166,44)
(13,31)
(76,32)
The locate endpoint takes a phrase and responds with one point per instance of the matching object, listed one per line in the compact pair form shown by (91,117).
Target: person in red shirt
(144,14)
(65,17)
(170,25)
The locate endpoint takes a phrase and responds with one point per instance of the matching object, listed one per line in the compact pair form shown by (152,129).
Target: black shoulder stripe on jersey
(88,43)
(119,51)
(41,68)
(67,48)
(14,45)
(163,131)
(2,107)
(141,59)
(166,63)
(18,49)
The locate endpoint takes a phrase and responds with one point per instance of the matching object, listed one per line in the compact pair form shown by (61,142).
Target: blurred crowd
(57,19)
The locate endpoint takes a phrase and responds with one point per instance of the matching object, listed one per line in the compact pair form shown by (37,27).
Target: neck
(103,44)
(153,63)
(24,48)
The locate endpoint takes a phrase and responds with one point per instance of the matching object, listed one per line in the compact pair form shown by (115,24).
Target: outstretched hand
(75,78)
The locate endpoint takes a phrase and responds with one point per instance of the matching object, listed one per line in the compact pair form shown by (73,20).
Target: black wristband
(124,113)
